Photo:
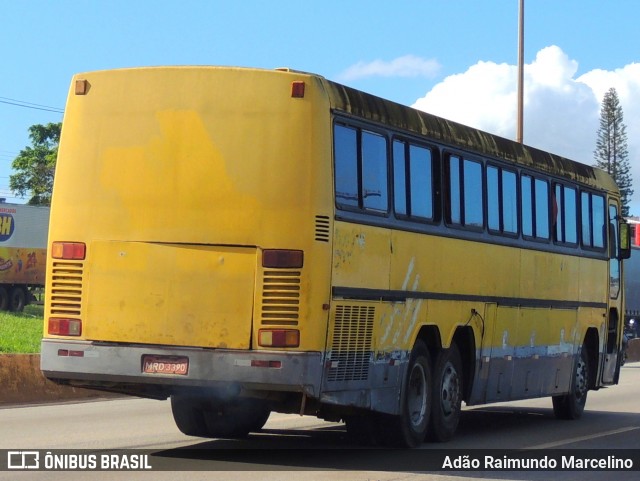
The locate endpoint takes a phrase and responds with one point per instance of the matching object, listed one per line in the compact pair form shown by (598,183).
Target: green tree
(611,152)
(35,165)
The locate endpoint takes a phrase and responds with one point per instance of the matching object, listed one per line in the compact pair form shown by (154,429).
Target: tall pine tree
(611,152)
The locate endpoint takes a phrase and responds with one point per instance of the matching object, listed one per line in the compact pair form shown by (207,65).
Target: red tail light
(282,258)
(64,327)
(69,250)
(278,338)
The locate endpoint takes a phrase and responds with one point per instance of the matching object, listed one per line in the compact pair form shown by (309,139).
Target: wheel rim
(417,396)
(450,392)
(581,378)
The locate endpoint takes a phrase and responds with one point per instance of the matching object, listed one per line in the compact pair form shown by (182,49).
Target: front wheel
(447,395)
(571,405)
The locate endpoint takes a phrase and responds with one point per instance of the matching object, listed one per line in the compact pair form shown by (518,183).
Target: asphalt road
(294,447)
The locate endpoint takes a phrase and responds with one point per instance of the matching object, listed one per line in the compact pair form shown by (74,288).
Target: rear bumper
(111,364)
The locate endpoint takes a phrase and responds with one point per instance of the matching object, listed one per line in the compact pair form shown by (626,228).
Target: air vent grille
(351,347)
(322,228)
(66,288)
(280,298)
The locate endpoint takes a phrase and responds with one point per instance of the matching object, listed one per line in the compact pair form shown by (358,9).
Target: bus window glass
(614,264)
(346,160)
(493,199)
(566,214)
(473,213)
(570,216)
(585,201)
(557,221)
(374,171)
(421,185)
(399,178)
(598,224)
(454,190)
(527,205)
(542,209)
(509,202)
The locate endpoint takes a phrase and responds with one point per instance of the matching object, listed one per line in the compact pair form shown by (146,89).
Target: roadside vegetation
(21,332)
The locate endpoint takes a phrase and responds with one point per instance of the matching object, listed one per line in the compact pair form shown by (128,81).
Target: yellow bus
(244,241)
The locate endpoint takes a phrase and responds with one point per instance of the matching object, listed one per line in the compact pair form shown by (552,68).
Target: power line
(29,105)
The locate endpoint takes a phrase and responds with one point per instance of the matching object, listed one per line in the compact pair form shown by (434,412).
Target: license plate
(165,365)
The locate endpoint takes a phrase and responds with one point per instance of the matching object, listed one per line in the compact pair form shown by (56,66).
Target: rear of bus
(189,223)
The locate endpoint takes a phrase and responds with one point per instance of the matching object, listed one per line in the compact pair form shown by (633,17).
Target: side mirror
(625,241)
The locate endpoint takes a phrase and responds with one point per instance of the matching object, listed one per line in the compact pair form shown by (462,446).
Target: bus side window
(599,225)
(566,227)
(541,209)
(526,193)
(502,200)
(614,264)
(346,166)
(593,220)
(465,193)
(413,181)
(400,178)
(374,172)
(360,169)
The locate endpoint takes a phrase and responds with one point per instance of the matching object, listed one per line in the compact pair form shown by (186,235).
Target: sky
(453,58)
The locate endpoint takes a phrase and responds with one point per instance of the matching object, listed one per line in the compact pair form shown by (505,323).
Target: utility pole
(519,127)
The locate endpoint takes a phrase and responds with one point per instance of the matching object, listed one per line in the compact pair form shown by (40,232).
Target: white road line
(555,444)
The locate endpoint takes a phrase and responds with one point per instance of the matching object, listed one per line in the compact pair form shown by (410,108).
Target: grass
(21,332)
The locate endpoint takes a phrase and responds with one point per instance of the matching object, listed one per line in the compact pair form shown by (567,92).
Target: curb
(22,382)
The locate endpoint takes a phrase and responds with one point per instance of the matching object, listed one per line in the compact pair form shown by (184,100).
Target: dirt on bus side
(22,382)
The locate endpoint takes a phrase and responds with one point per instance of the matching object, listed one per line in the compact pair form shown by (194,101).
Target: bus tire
(366,429)
(410,427)
(235,419)
(571,405)
(446,395)
(188,414)
(17,299)
(4,298)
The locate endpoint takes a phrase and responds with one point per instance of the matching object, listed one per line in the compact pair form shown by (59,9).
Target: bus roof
(376,109)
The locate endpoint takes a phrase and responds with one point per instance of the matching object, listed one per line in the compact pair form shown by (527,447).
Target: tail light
(75,251)
(278,338)
(64,327)
(282,258)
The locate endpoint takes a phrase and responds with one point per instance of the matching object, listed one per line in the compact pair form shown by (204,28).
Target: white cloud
(406,66)
(561,112)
